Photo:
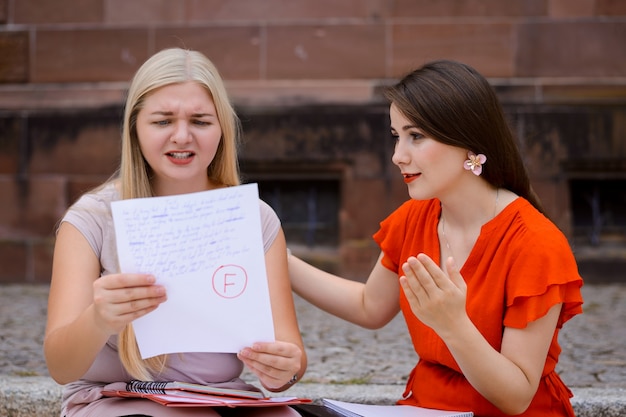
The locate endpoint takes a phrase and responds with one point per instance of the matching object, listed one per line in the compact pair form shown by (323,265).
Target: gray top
(91,215)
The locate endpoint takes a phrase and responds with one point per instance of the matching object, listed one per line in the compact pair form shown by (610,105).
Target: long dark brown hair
(454,104)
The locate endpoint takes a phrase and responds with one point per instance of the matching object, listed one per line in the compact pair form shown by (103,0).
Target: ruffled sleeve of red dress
(543,272)
(399,232)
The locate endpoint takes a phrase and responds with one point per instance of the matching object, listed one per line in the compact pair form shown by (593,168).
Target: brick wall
(64,67)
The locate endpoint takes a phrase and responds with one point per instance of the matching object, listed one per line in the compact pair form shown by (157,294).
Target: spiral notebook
(181,388)
(369,410)
(182,394)
(192,399)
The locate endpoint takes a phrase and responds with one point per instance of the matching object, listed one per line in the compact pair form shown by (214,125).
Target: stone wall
(305,76)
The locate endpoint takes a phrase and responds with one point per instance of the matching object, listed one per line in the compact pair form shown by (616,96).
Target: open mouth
(410,177)
(180,155)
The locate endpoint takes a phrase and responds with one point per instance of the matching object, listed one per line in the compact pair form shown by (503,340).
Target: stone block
(313,134)
(571,8)
(13,258)
(35,206)
(14,65)
(11,131)
(88,55)
(610,8)
(555,200)
(487,47)
(41,261)
(25,260)
(326,51)
(57,11)
(585,94)
(358,223)
(358,257)
(75,142)
(515,94)
(451,9)
(284,10)
(140,12)
(571,49)
(557,136)
(41,396)
(4,11)
(10,195)
(79,185)
(51,97)
(235,51)
(280,93)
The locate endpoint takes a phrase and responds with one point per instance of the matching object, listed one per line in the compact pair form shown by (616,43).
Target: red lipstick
(410,177)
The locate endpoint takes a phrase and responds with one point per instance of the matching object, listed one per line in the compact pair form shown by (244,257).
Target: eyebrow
(170,113)
(406,127)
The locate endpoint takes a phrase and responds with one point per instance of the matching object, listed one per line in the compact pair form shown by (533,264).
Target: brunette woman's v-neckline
(486,230)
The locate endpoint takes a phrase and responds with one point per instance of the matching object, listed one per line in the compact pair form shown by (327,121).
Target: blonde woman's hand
(121,298)
(275,363)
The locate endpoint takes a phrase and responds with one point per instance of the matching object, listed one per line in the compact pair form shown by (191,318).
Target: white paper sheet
(207,250)
(368,410)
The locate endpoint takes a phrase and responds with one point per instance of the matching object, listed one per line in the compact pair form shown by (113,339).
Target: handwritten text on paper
(207,250)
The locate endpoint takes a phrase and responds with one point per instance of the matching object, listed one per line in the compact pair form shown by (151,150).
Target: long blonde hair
(170,66)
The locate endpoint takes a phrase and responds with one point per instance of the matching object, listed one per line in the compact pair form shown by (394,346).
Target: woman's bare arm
(371,304)
(85,310)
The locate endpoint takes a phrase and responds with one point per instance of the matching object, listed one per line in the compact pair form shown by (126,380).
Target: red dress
(520,266)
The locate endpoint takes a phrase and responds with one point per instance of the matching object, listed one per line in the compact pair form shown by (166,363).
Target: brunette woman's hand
(274,363)
(121,298)
(436,297)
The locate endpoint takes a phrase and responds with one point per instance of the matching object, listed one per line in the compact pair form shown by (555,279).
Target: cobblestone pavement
(594,353)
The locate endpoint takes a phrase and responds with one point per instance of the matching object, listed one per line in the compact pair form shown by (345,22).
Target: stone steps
(41,397)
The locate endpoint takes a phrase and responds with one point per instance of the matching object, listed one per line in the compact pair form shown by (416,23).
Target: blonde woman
(179,136)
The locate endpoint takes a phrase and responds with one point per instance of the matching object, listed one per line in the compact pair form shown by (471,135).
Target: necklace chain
(443,222)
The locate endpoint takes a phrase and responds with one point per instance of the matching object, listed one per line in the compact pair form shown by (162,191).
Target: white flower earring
(475,162)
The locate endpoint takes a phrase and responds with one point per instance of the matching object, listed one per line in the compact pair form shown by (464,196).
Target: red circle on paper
(230,281)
